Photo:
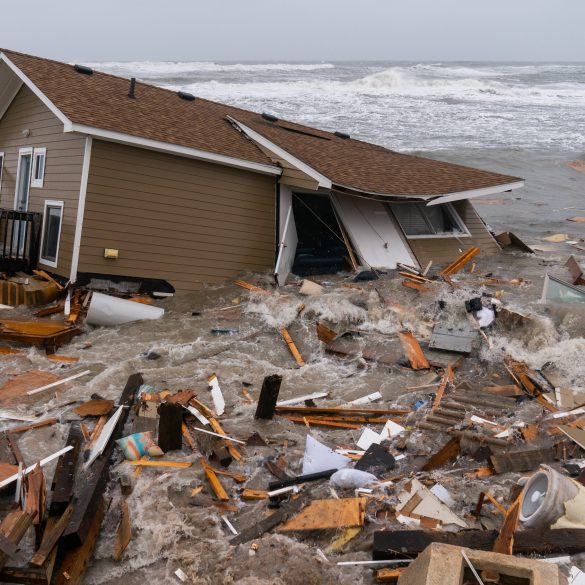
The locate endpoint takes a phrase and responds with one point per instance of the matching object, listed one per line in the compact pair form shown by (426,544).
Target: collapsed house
(104,176)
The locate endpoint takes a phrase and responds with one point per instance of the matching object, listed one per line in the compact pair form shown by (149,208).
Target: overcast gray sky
(193,30)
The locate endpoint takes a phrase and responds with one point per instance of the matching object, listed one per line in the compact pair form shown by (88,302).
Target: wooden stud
(292,347)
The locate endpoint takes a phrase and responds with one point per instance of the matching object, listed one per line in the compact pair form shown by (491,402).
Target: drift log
(95,478)
(268,397)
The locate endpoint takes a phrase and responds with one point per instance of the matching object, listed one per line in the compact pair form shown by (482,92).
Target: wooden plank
(448,451)
(292,347)
(268,397)
(95,408)
(323,514)
(13,528)
(413,351)
(47,422)
(341,410)
(525,460)
(51,537)
(321,423)
(460,262)
(214,481)
(98,474)
(36,494)
(158,463)
(391,544)
(233,450)
(439,395)
(325,334)
(504,543)
(64,477)
(124,533)
(76,561)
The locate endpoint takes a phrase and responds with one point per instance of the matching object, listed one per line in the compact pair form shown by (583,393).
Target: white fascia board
(159,146)
(56,111)
(8,93)
(322,180)
(80,209)
(473,193)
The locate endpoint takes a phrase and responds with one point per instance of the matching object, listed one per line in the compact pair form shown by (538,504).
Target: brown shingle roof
(101,101)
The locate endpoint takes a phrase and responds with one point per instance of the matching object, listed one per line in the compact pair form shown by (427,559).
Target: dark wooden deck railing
(20,240)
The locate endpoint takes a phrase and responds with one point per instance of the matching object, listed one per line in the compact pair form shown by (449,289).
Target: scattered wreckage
(363,473)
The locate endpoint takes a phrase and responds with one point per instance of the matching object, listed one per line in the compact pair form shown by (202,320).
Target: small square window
(38,175)
(419,220)
(52,220)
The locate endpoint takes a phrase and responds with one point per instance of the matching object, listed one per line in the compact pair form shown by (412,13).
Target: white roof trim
(58,113)
(473,193)
(175,149)
(322,180)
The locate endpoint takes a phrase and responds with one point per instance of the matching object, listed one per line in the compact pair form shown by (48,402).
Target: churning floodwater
(526,120)
(522,119)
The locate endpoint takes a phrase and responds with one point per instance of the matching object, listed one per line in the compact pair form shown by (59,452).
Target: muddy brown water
(171,529)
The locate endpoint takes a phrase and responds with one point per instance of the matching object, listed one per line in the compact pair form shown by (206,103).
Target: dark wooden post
(170,434)
(268,397)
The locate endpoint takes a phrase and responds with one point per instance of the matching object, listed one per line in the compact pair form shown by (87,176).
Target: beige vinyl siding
(445,250)
(63,163)
(181,220)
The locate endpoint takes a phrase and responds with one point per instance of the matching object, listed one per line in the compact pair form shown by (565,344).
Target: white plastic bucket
(110,311)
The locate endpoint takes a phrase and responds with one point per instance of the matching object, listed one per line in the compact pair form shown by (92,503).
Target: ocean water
(523,119)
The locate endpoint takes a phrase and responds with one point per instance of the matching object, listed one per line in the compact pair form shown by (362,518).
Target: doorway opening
(320,247)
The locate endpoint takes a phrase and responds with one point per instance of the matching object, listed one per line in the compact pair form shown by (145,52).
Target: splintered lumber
(268,397)
(504,543)
(62,359)
(324,334)
(36,494)
(438,397)
(251,287)
(228,441)
(214,481)
(64,478)
(97,475)
(323,514)
(415,285)
(414,353)
(524,460)
(124,533)
(346,535)
(170,437)
(94,408)
(373,420)
(47,422)
(158,463)
(510,390)
(51,537)
(448,451)
(389,575)
(340,410)
(259,528)
(458,264)
(48,278)
(322,423)
(12,530)
(249,494)
(391,544)
(76,561)
(292,347)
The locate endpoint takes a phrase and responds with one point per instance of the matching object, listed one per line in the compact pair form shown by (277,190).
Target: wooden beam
(340,410)
(97,476)
(51,537)
(64,477)
(458,264)
(233,450)
(292,347)
(525,460)
(170,427)
(268,397)
(124,533)
(214,481)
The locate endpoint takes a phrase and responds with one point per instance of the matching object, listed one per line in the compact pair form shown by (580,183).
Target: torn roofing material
(98,104)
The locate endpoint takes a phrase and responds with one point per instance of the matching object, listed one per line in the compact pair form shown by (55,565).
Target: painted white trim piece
(38,183)
(51,203)
(57,383)
(280,152)
(102,440)
(157,145)
(300,399)
(216,395)
(287,247)
(80,209)
(42,463)
(473,193)
(22,152)
(197,414)
(36,90)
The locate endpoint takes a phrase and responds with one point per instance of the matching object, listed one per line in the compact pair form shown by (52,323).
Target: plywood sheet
(17,387)
(322,514)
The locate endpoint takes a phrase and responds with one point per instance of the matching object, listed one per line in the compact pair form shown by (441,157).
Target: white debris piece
(319,457)
(216,395)
(367,399)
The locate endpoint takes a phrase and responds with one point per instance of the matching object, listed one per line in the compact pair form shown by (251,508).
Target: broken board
(323,514)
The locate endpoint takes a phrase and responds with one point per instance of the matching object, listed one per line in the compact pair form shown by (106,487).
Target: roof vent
(342,135)
(132,92)
(186,96)
(269,117)
(83,69)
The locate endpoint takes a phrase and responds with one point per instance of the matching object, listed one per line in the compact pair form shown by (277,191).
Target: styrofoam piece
(180,574)
(109,311)
(391,429)
(319,457)
(367,399)
(443,494)
(349,478)
(299,399)
(197,415)
(102,440)
(485,317)
(368,438)
(310,288)
(42,463)
(216,395)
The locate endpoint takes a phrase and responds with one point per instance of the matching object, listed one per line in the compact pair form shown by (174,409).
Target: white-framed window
(38,170)
(1,169)
(417,220)
(51,232)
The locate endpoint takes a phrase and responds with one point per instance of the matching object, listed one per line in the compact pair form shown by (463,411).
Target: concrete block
(443,564)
